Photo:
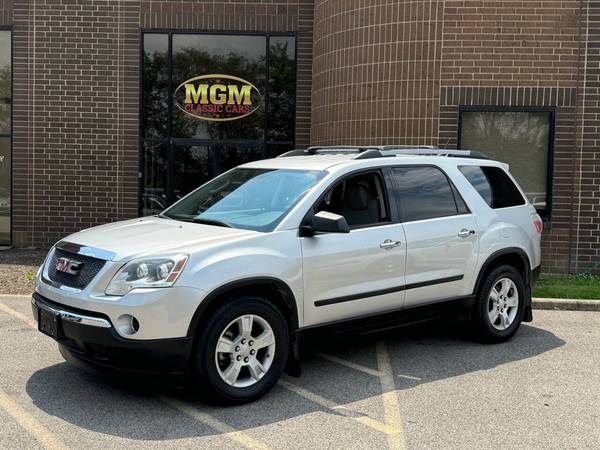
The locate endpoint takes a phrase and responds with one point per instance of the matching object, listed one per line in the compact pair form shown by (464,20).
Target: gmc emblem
(69,266)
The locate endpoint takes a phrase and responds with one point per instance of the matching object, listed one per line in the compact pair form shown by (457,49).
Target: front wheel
(500,305)
(242,351)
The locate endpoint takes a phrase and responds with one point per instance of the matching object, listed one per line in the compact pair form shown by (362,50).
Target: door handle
(388,244)
(465,233)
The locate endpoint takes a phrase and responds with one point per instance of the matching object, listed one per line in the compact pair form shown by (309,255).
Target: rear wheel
(241,351)
(500,304)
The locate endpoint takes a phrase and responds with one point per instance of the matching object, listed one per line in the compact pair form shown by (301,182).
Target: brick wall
(376,72)
(75,116)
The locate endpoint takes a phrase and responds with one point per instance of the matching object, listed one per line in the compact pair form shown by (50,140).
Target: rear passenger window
(494,186)
(425,193)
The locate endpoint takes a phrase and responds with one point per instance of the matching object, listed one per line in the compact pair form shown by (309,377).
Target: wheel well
(275,291)
(514,258)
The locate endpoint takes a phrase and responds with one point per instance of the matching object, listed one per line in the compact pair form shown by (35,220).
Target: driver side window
(360,199)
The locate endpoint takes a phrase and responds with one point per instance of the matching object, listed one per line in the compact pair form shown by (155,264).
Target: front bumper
(89,339)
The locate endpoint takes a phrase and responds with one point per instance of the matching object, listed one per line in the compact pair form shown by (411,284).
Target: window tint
(494,185)
(424,193)
(479,181)
(360,199)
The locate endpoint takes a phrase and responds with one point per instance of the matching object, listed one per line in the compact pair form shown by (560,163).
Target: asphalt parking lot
(426,386)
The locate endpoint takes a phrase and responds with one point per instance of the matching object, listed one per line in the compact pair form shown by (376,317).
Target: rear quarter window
(494,185)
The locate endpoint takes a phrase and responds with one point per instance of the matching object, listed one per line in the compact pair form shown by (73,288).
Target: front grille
(89,269)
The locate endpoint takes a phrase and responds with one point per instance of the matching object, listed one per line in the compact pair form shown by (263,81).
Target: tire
(210,368)
(508,317)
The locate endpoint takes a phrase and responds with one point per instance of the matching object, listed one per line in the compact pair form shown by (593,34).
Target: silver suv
(221,288)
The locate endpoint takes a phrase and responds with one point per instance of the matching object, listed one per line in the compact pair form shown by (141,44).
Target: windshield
(252,199)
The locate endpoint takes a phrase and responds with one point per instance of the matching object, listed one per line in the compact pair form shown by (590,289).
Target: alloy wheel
(245,351)
(503,303)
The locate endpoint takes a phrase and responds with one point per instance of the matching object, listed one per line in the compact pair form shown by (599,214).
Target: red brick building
(112,109)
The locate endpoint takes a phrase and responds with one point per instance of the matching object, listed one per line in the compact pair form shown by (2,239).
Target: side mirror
(325,222)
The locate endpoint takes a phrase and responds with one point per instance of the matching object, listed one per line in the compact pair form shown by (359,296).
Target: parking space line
(350,364)
(214,423)
(8,310)
(391,405)
(30,424)
(329,404)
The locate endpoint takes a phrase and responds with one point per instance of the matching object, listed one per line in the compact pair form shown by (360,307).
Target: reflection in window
(156,48)
(519,138)
(282,87)
(5,135)
(203,54)
(424,193)
(154,198)
(192,167)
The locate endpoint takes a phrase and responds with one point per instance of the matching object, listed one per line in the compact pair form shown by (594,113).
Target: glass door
(211,102)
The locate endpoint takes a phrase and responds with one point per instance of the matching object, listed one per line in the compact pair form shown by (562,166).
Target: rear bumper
(89,339)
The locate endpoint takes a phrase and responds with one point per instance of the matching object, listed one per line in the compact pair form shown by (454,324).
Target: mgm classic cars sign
(217,97)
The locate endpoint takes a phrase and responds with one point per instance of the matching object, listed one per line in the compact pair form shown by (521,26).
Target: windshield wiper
(217,223)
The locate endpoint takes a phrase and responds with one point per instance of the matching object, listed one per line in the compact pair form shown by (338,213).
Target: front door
(361,272)
(441,235)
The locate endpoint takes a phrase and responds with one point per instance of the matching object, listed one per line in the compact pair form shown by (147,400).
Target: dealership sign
(217,97)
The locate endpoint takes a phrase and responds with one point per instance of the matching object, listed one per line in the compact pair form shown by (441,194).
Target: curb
(561,304)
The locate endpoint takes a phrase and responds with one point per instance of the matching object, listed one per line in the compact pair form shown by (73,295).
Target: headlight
(147,272)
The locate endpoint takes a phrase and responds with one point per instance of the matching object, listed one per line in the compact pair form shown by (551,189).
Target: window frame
(168,140)
(546,213)
(391,208)
(398,198)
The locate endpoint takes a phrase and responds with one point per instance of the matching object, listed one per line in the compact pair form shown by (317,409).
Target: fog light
(128,324)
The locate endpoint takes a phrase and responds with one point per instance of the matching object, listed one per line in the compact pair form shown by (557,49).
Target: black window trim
(391,210)
(453,189)
(545,214)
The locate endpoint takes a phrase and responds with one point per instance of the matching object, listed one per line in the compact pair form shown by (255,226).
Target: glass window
(520,138)
(360,199)
(494,185)
(214,101)
(282,88)
(154,197)
(424,193)
(479,181)
(252,199)
(5,136)
(156,49)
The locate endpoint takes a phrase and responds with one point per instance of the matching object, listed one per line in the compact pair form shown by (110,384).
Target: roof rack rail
(381,151)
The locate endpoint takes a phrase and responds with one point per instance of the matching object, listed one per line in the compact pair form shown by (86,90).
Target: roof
(359,157)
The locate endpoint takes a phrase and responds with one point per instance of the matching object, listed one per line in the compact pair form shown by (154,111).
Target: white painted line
(30,424)
(329,404)
(408,377)
(214,423)
(350,364)
(28,320)
(391,405)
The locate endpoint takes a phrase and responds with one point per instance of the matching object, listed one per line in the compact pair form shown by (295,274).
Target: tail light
(538,224)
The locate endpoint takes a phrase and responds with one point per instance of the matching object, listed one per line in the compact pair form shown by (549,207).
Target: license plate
(49,323)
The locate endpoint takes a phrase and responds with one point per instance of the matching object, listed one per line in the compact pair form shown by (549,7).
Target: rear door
(360,272)
(441,235)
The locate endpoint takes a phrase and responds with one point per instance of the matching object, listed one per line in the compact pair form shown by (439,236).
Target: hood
(132,238)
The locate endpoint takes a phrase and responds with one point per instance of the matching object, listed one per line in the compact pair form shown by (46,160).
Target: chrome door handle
(465,233)
(388,244)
